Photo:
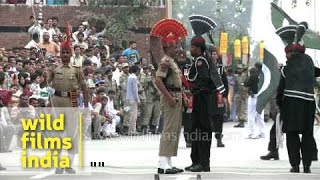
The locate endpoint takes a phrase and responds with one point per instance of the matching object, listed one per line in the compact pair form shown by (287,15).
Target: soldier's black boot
(188,168)
(271,155)
(306,169)
(219,140)
(144,129)
(125,130)
(295,169)
(153,129)
(199,168)
(240,125)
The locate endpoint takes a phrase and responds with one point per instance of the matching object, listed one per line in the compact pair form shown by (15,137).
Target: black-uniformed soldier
(221,109)
(207,86)
(296,101)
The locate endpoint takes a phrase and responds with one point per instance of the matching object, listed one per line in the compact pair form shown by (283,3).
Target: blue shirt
(132,54)
(132,88)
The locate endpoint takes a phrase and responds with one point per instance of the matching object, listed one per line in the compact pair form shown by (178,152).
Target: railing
(153,3)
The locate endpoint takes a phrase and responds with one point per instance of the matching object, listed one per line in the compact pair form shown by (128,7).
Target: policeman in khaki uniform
(123,88)
(67,81)
(152,101)
(142,96)
(241,95)
(169,82)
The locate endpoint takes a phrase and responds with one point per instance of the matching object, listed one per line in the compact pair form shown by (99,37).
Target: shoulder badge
(199,63)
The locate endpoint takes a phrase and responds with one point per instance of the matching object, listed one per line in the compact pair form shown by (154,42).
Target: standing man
(168,81)
(66,80)
(132,53)
(254,118)
(152,101)
(241,95)
(133,98)
(142,96)
(221,109)
(207,95)
(123,88)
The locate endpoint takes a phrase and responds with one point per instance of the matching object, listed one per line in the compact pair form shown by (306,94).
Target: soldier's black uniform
(220,109)
(206,82)
(296,101)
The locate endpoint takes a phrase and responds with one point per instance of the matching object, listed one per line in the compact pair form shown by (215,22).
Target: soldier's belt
(62,94)
(175,89)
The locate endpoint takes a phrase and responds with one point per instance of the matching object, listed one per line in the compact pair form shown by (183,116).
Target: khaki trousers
(172,127)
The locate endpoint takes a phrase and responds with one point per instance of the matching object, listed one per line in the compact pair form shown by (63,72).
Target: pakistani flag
(311,38)
(262,29)
(268,80)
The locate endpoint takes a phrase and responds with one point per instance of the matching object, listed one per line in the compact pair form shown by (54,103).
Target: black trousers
(294,146)
(218,126)
(187,126)
(201,136)
(200,149)
(272,147)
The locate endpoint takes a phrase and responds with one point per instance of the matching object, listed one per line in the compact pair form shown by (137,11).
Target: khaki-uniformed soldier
(241,96)
(67,80)
(168,80)
(123,88)
(142,96)
(152,101)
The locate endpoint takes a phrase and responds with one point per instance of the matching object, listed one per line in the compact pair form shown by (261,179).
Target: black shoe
(59,171)
(144,129)
(219,143)
(240,125)
(270,155)
(295,169)
(178,170)
(167,171)
(2,168)
(306,169)
(124,130)
(189,167)
(153,129)
(199,168)
(70,171)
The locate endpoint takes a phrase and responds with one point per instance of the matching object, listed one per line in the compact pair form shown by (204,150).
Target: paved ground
(136,159)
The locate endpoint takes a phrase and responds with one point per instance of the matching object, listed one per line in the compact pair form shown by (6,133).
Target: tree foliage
(122,21)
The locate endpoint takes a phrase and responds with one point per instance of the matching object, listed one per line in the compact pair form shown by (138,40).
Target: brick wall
(18,16)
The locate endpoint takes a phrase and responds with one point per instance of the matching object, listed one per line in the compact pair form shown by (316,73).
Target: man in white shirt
(76,60)
(115,114)
(7,130)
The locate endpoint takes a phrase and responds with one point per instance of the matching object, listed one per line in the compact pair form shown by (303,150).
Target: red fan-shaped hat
(169,30)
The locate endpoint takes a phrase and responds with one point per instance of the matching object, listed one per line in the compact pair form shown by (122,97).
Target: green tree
(120,22)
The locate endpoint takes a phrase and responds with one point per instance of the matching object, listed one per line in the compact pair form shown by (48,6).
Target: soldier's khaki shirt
(141,89)
(67,78)
(169,70)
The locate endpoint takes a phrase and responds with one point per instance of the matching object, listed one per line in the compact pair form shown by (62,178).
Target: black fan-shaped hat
(201,24)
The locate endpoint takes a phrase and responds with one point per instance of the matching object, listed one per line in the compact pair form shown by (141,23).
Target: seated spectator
(76,60)
(115,114)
